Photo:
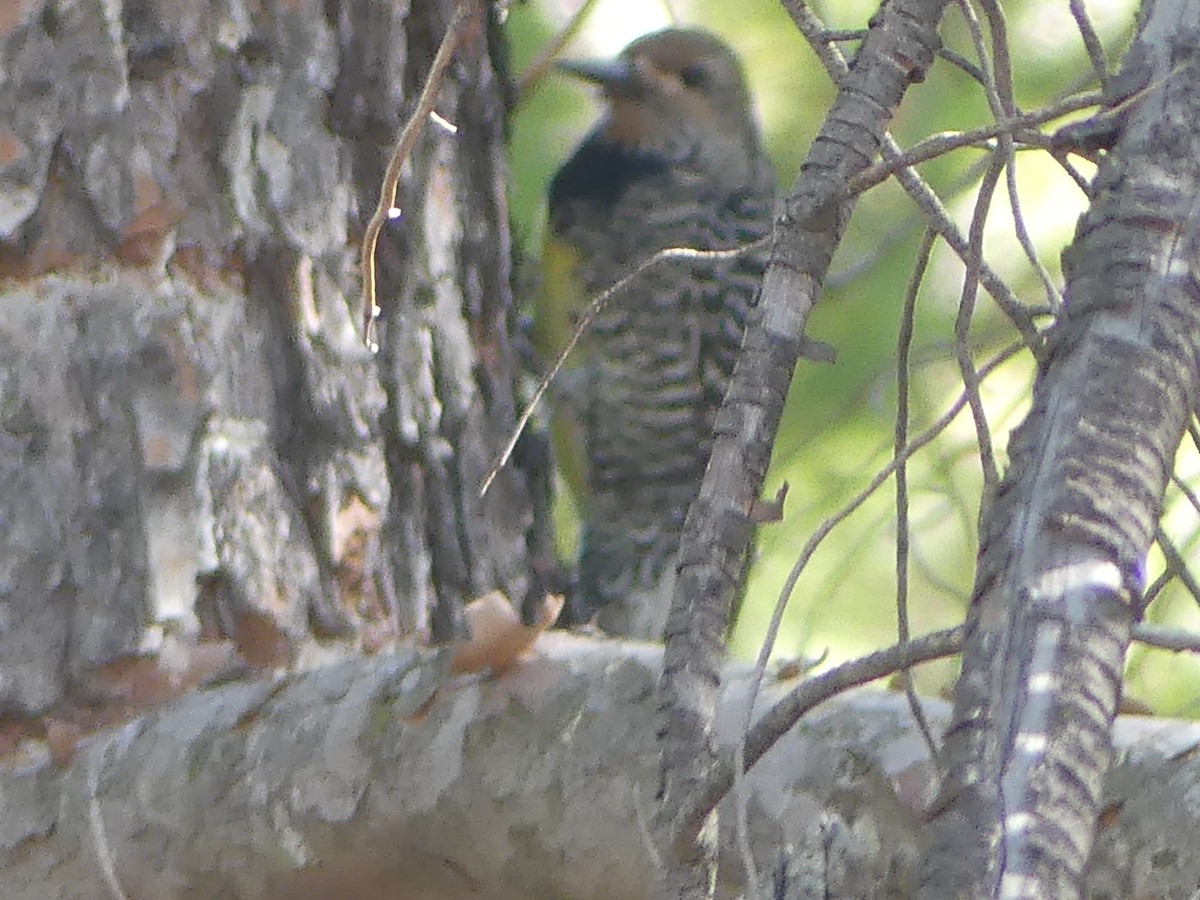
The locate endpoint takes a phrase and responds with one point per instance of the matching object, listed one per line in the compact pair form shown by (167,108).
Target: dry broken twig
(400,153)
(595,305)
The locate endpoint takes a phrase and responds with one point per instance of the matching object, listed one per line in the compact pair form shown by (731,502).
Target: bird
(676,160)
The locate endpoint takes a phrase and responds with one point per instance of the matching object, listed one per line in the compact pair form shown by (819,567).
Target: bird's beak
(617,77)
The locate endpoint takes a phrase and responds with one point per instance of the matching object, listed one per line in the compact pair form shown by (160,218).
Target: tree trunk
(379,778)
(203,467)
(1064,542)
(205,474)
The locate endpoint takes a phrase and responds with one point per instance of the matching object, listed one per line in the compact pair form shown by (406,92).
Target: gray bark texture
(202,467)
(897,52)
(204,475)
(382,778)
(1063,542)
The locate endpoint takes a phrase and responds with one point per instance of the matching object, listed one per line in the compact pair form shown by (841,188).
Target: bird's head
(678,92)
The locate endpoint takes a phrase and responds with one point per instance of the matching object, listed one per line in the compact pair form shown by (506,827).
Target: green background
(838,428)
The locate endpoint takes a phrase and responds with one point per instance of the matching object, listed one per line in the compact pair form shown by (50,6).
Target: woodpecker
(675,161)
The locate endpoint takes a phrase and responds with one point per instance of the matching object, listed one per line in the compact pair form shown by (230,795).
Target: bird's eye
(693,76)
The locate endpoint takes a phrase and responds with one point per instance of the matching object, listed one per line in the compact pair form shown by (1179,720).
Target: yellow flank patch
(556,313)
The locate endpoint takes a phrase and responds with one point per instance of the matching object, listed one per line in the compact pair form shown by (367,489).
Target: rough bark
(202,470)
(897,52)
(1064,541)
(197,454)
(352,780)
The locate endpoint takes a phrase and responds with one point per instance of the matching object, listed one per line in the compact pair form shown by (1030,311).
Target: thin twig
(1157,587)
(825,527)
(108,867)
(595,305)
(1176,564)
(812,692)
(1001,66)
(914,185)
(1064,162)
(1001,104)
(903,350)
(1004,89)
(988,82)
(1053,294)
(400,153)
(547,56)
(998,88)
(941,144)
(1166,638)
(962,325)
(1091,41)
(961,62)
(1187,492)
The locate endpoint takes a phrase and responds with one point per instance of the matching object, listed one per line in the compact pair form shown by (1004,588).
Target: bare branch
(1167,638)
(547,56)
(595,305)
(1091,41)
(816,690)
(916,187)
(903,348)
(941,144)
(898,49)
(962,324)
(400,152)
(1176,564)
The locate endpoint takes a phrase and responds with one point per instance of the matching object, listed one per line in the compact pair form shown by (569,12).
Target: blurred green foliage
(838,428)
